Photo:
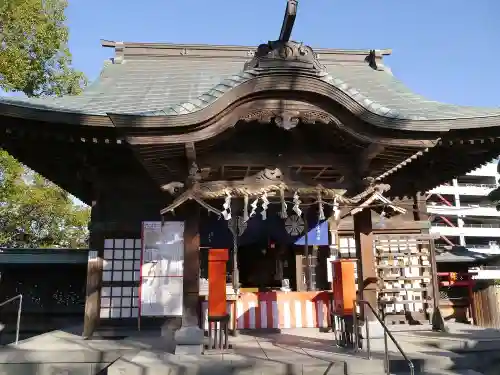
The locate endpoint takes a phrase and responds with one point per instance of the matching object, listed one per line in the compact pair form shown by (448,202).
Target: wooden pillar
(437,319)
(234,227)
(191,279)
(94,275)
(363,234)
(419,213)
(314,268)
(306,258)
(299,272)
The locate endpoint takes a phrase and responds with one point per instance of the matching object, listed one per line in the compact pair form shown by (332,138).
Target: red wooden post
(217,260)
(217,301)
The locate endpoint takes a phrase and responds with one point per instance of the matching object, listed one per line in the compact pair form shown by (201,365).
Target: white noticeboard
(162,268)
(329,268)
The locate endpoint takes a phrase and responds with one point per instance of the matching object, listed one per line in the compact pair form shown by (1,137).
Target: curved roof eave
(339,91)
(370,105)
(50,114)
(73,110)
(373,95)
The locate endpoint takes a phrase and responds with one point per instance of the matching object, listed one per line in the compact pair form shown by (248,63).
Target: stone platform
(464,350)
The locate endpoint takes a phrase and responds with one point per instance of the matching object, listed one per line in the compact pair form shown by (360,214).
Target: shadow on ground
(474,348)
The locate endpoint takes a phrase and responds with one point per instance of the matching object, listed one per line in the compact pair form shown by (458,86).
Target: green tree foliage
(35,213)
(35,60)
(34,54)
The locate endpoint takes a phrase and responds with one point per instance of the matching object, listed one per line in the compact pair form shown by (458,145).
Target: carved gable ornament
(287,119)
(285,55)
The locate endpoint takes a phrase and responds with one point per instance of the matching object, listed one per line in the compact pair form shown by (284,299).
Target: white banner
(162,268)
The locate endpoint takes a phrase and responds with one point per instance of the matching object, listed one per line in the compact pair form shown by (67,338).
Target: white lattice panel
(119,302)
(121,270)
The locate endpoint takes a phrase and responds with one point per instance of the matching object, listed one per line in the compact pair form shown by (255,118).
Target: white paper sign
(329,268)
(162,268)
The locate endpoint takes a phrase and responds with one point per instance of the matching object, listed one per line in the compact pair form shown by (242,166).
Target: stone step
(16,361)
(14,355)
(438,365)
(465,345)
(52,369)
(201,365)
(432,372)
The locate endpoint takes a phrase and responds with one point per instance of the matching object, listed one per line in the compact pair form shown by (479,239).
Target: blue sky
(446,50)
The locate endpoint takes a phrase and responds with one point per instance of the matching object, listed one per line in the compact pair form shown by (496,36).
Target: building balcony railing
(492,225)
(464,189)
(463,210)
(485,186)
(488,231)
(480,247)
(488,268)
(487,274)
(466,225)
(492,249)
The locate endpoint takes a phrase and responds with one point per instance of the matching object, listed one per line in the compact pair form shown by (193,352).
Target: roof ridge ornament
(281,54)
(288,20)
(285,53)
(119,53)
(374,61)
(371,59)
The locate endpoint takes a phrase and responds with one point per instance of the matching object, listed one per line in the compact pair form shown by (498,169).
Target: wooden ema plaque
(217,260)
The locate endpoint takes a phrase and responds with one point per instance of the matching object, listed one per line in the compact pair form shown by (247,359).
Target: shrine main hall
(284,154)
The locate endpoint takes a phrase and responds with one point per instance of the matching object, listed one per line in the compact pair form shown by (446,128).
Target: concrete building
(462,214)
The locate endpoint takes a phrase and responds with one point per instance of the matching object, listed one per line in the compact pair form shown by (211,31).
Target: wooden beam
(288,20)
(265,180)
(299,158)
(190,152)
(368,154)
(320,172)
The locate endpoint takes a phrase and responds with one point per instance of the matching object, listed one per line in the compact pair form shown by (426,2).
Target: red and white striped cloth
(278,310)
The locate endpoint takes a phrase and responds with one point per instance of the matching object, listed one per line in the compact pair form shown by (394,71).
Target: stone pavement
(294,351)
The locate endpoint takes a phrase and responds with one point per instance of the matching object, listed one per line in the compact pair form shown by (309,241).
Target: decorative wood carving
(269,181)
(209,122)
(174,187)
(281,54)
(263,116)
(288,118)
(312,117)
(378,197)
